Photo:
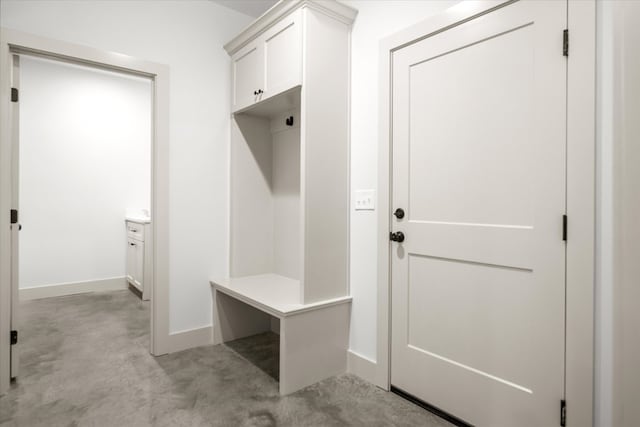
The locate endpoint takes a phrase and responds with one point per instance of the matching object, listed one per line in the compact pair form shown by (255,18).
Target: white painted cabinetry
(289,204)
(247,76)
(137,258)
(269,64)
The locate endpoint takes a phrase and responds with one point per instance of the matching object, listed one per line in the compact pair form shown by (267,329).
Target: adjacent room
(319,213)
(84,169)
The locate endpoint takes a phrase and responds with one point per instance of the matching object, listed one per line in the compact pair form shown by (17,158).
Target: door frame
(580,255)
(16,42)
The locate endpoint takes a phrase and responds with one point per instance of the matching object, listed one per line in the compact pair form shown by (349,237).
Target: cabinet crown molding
(283,8)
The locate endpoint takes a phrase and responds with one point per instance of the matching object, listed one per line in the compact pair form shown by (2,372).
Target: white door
(248,76)
(139,265)
(15,225)
(283,55)
(131,260)
(478,284)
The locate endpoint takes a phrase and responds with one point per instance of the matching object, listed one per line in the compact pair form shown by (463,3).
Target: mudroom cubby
(289,190)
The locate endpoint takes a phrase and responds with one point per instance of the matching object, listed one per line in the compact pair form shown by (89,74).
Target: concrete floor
(85,363)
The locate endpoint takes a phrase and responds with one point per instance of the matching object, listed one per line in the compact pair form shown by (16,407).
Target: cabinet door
(139,265)
(248,75)
(131,256)
(282,46)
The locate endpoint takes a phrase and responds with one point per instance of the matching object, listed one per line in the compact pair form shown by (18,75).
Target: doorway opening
(156,239)
(84,170)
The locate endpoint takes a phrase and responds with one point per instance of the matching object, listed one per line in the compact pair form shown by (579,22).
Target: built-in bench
(313,337)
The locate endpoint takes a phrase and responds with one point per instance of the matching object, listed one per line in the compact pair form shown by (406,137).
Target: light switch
(365,200)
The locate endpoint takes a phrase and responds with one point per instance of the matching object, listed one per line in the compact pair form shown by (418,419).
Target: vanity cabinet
(269,64)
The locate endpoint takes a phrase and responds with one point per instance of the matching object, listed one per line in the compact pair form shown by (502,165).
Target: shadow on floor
(262,351)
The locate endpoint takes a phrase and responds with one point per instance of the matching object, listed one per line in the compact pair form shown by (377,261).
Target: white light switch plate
(365,200)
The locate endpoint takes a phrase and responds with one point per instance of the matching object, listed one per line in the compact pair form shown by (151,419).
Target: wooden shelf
(276,295)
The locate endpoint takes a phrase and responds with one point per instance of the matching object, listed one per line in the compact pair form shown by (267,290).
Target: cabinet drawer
(135,231)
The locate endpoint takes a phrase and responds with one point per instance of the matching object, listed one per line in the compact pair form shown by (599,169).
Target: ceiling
(253,8)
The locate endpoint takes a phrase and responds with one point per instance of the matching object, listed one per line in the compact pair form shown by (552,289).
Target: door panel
(479,167)
(494,332)
(131,259)
(15,228)
(247,76)
(487,182)
(139,264)
(283,56)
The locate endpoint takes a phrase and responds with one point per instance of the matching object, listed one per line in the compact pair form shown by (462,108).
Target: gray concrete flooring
(85,362)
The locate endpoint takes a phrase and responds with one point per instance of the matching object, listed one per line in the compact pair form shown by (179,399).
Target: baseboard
(361,366)
(62,289)
(190,338)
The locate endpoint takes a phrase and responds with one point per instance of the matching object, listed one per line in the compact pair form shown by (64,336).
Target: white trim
(72,288)
(190,338)
(15,41)
(581,172)
(361,366)
(580,194)
(283,8)
(625,135)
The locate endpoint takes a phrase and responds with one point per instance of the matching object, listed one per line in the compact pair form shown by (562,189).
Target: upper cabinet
(282,47)
(269,64)
(247,76)
(289,151)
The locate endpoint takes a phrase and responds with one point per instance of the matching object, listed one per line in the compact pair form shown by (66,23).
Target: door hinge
(14,216)
(564,227)
(14,94)
(565,42)
(14,337)
(563,413)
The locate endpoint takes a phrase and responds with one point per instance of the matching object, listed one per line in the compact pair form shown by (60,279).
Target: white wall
(188,36)
(85,153)
(617,377)
(625,141)
(376,19)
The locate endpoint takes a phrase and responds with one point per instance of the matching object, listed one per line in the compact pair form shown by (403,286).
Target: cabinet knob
(260,91)
(132,244)
(255,92)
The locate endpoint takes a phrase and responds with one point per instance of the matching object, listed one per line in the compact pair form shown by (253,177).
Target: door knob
(397,237)
(399,213)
